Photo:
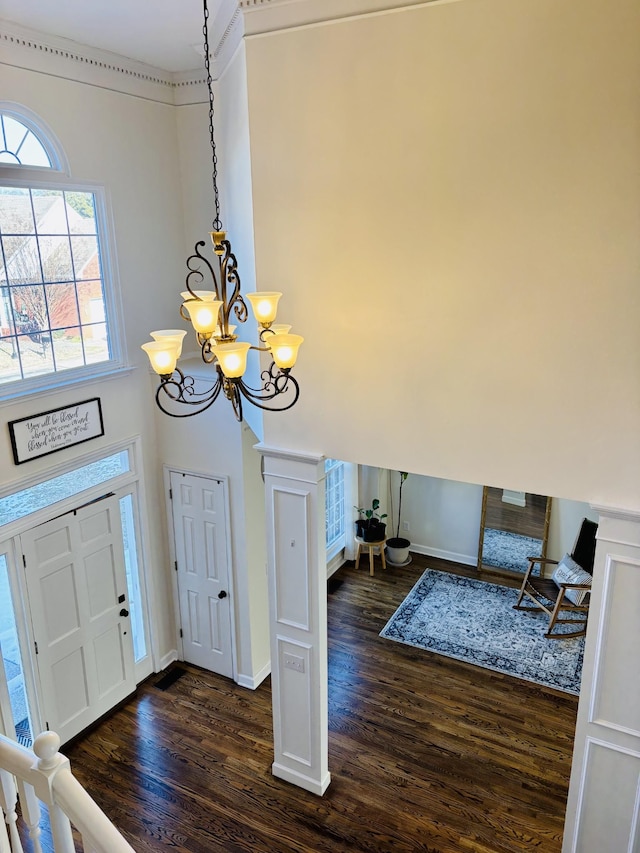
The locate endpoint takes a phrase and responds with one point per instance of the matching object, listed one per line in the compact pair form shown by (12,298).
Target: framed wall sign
(48,432)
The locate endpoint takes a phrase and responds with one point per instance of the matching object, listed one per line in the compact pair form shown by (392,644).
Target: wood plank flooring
(426,753)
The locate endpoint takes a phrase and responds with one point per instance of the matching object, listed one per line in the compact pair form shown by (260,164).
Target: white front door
(200,532)
(77,591)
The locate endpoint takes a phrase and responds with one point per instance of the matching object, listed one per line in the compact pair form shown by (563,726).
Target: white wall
(123,143)
(444,515)
(448,195)
(257,592)
(189,443)
(214,444)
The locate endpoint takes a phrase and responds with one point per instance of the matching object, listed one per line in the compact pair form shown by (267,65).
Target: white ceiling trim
(60,57)
(267,16)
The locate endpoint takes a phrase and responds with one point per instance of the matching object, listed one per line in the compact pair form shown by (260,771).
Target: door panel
(75,575)
(200,531)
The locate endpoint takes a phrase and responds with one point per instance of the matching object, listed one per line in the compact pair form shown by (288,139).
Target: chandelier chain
(217,222)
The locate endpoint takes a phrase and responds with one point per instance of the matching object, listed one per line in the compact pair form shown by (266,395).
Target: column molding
(294,493)
(603,808)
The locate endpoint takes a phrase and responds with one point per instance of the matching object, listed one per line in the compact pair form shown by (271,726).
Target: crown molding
(47,54)
(229,22)
(267,16)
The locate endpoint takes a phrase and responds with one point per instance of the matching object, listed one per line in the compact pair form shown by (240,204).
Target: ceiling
(164,33)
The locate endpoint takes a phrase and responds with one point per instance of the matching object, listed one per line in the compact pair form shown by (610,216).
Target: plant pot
(398,550)
(374,531)
(361,523)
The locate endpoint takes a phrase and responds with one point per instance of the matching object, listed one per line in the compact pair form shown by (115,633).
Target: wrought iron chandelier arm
(229,275)
(195,275)
(182,391)
(212,328)
(261,401)
(275,383)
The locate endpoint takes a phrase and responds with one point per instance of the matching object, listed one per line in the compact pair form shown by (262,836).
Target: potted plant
(398,546)
(370,526)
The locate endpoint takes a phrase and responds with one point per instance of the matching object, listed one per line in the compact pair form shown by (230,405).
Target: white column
(296,561)
(603,809)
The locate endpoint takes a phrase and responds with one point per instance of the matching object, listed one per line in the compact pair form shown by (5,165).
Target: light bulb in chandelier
(163,356)
(284,350)
(265,306)
(232,358)
(168,335)
(204,315)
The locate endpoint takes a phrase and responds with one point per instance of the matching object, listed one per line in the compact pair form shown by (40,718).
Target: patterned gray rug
(509,550)
(474,621)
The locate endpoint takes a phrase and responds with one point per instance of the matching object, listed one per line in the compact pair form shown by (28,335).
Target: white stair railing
(28,778)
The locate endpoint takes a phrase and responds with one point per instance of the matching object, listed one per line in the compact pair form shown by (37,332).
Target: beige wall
(448,197)
(123,143)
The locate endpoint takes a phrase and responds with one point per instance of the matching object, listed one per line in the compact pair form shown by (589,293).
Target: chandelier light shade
(209,312)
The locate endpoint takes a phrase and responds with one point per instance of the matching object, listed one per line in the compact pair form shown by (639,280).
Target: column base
(306,782)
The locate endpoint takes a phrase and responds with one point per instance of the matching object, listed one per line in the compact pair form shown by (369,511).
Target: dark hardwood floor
(426,753)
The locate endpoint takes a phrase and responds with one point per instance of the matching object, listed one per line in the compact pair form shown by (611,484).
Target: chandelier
(209,312)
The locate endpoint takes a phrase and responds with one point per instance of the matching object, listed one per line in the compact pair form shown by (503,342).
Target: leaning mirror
(513,527)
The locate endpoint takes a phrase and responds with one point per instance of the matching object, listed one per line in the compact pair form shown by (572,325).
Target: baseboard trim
(465,559)
(168,659)
(254,681)
(337,562)
(315,786)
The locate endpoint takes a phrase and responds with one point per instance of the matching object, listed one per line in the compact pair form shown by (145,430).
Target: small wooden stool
(362,545)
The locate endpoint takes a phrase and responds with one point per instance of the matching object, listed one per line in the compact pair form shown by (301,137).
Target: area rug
(474,621)
(509,550)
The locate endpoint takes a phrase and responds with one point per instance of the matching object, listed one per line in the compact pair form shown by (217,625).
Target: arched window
(58,314)
(20,145)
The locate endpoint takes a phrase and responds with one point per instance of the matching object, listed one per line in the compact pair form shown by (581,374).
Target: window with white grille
(334,500)
(58,318)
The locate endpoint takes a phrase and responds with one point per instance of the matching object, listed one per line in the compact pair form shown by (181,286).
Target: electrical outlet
(405,526)
(294,662)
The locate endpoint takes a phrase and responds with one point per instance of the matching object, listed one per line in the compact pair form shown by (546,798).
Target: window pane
(81,213)
(16,215)
(30,309)
(36,356)
(31,152)
(48,237)
(19,504)
(334,502)
(22,259)
(7,326)
(9,364)
(51,215)
(55,254)
(133,576)
(96,343)
(91,301)
(12,658)
(67,348)
(14,133)
(63,308)
(22,143)
(86,260)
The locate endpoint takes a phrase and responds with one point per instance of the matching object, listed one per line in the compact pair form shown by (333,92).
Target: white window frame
(335,468)
(34,177)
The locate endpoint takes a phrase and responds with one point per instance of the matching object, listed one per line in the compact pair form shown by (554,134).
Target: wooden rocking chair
(555,594)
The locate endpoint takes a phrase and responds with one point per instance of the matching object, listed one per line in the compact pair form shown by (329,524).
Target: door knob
(222,594)
(124,612)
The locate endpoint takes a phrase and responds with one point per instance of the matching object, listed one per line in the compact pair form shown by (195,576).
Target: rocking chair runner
(556,595)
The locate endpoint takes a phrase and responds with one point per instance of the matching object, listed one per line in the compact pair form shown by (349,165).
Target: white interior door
(200,532)
(77,588)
